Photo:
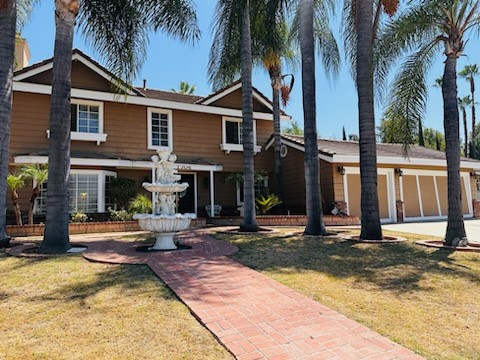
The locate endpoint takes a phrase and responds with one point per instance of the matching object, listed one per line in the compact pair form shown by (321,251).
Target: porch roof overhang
(184,164)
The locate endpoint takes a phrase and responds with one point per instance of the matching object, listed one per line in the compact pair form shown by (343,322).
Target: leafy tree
(185,88)
(38,174)
(434,139)
(118,30)
(424,30)
(468,73)
(16,182)
(396,129)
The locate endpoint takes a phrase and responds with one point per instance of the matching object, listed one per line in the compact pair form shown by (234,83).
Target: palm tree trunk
(8,16)
(249,222)
(315,225)
(276,83)
(465,131)
(421,139)
(56,238)
(35,193)
(455,225)
(370,217)
(16,208)
(474,129)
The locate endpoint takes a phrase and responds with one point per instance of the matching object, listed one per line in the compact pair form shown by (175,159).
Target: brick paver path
(252,315)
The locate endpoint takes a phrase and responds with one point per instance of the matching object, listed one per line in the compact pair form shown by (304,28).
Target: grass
(68,308)
(425,299)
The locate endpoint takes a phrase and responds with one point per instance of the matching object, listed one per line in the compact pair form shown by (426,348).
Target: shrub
(121,191)
(141,204)
(79,217)
(119,215)
(266,203)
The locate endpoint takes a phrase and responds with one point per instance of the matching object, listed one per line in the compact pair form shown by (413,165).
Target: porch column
(212,192)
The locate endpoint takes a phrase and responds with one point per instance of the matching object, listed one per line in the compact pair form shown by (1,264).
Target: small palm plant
(140,204)
(266,203)
(15,182)
(38,173)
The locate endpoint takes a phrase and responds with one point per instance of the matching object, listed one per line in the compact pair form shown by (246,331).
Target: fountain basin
(164,227)
(165,188)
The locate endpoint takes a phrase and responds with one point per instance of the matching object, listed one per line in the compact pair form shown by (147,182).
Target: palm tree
(185,88)
(428,28)
(8,17)
(118,30)
(16,182)
(468,73)
(362,22)
(38,174)
(13,15)
(294,129)
(463,103)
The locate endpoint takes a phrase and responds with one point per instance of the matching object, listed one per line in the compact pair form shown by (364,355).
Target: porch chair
(216,210)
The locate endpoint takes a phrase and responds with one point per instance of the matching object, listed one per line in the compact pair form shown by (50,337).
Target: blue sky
(169,62)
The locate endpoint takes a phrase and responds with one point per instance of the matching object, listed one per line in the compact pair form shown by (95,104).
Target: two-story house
(115,135)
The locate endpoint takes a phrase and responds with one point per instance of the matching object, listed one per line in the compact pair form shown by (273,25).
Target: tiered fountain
(164,221)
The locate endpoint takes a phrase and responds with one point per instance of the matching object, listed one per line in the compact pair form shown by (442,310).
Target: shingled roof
(169,95)
(329,147)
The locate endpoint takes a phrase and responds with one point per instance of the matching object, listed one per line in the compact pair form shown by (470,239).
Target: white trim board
(117,163)
(143,101)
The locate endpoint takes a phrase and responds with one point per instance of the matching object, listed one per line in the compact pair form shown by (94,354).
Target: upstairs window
(86,121)
(159,129)
(234,132)
(85,118)
(232,135)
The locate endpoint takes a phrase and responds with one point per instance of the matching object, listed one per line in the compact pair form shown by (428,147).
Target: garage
(424,194)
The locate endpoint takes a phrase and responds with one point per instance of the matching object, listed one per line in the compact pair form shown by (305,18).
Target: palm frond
(24,10)
(409,94)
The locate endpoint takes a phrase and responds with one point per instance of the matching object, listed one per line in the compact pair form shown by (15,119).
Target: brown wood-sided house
(115,135)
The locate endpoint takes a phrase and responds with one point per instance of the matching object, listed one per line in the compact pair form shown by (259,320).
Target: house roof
(337,151)
(153,94)
(169,95)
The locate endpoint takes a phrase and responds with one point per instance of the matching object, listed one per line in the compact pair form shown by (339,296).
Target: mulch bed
(236,231)
(148,248)
(439,244)
(385,240)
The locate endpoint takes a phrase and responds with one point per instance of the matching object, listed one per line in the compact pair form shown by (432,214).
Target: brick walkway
(253,316)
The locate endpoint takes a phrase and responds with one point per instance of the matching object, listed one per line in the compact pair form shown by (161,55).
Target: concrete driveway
(436,228)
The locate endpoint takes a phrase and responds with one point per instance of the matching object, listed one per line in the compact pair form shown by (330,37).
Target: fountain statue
(164,221)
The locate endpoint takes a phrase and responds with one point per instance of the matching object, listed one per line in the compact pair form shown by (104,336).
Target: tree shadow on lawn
(125,277)
(396,267)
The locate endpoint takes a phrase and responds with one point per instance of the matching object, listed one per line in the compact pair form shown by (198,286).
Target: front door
(186,201)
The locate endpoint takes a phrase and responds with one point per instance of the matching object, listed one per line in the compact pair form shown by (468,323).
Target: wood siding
(234,101)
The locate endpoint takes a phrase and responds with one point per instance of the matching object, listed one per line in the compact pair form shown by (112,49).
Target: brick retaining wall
(288,220)
(87,227)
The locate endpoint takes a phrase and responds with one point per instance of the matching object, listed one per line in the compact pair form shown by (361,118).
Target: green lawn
(426,299)
(68,308)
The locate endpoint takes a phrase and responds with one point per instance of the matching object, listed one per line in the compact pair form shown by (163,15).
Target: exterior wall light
(398,172)
(341,170)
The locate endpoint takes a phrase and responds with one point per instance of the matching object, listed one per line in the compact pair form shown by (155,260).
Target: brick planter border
(286,220)
(87,227)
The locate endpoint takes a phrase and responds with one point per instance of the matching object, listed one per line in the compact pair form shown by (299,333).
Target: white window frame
(101,184)
(150,145)
(227,147)
(84,136)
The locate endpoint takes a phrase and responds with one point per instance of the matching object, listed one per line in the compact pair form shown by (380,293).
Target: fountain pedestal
(164,222)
